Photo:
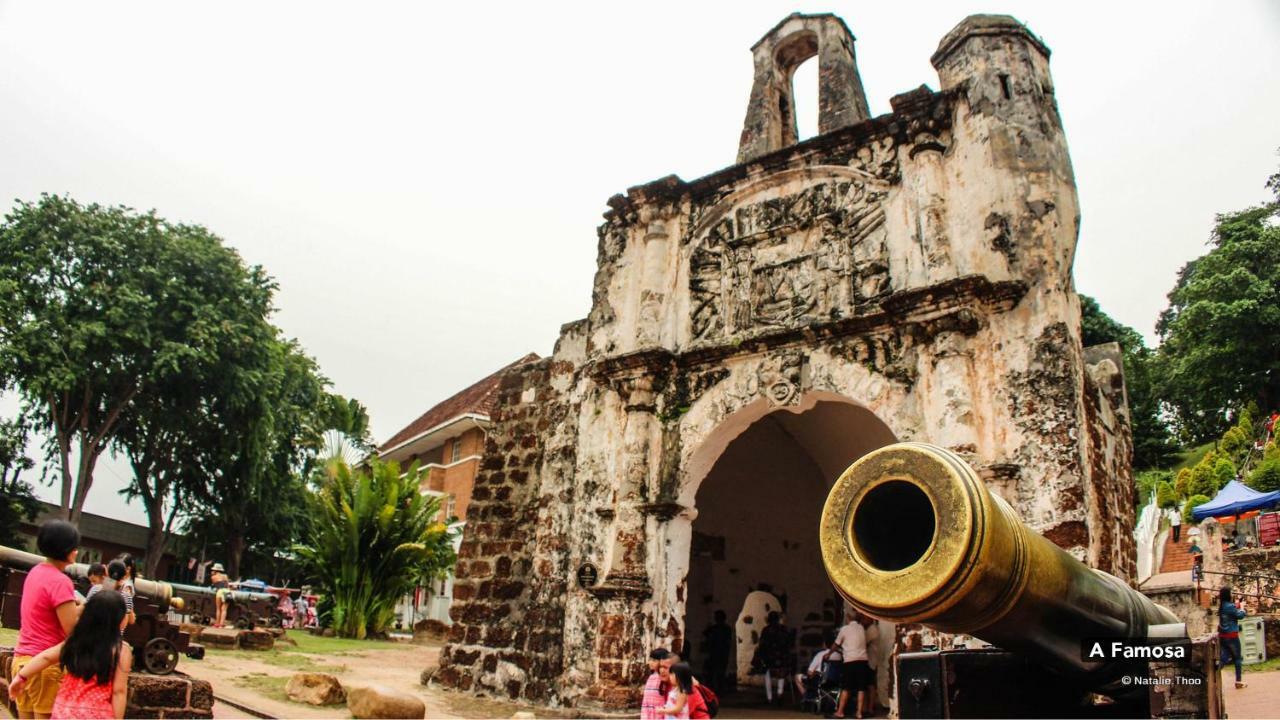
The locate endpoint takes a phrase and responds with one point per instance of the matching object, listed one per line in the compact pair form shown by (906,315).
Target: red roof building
(448,441)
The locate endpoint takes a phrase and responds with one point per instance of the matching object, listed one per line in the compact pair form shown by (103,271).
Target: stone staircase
(1177,558)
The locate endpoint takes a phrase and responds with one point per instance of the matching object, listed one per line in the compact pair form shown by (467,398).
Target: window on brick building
(451,507)
(457,450)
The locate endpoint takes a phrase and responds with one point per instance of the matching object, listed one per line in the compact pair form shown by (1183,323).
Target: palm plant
(374,538)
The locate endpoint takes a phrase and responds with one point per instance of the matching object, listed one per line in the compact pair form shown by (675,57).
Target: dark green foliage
(1148,481)
(1153,444)
(1220,348)
(1266,476)
(18,503)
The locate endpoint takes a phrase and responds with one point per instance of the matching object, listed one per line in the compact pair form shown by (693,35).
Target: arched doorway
(765,476)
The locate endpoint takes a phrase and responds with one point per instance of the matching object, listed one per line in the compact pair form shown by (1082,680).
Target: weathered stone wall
(906,277)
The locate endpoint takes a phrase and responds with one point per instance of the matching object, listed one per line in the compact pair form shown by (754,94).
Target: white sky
(424,180)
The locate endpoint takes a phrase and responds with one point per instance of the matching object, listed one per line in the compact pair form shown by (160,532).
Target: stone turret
(771,113)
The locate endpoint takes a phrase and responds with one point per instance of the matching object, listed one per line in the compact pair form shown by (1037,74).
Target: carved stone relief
(812,256)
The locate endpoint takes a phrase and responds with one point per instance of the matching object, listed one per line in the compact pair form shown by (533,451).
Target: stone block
(223,638)
(315,689)
(182,714)
(379,701)
(257,640)
(201,695)
(157,691)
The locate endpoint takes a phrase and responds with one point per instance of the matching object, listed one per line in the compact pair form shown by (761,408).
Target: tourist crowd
(846,661)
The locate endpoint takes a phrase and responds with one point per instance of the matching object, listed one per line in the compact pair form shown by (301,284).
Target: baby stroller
(821,697)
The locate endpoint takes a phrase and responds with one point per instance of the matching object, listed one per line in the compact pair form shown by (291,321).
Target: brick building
(104,538)
(447,441)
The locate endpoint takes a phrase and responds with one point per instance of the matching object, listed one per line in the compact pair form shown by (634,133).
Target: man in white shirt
(813,674)
(854,674)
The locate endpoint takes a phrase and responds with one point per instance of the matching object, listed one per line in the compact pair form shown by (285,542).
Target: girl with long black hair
(95,663)
(684,702)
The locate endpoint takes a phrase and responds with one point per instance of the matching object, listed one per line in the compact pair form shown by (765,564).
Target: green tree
(166,429)
(1182,483)
(1153,444)
(376,537)
(254,491)
(1220,335)
(1266,476)
(18,503)
(1148,481)
(91,315)
(1166,496)
(1224,471)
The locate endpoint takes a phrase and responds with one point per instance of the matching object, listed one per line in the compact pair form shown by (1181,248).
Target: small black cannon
(156,642)
(245,609)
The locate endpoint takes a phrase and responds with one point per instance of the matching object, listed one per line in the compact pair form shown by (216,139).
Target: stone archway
(758,483)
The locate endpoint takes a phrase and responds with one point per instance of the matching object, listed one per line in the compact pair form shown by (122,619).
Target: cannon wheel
(245,622)
(275,620)
(159,656)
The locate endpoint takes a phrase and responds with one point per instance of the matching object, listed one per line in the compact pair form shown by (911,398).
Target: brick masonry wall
(508,596)
(150,696)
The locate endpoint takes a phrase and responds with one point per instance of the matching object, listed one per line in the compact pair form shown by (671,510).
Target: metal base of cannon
(992,683)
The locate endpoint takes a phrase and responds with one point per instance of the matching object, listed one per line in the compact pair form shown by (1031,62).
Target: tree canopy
(100,306)
(1220,336)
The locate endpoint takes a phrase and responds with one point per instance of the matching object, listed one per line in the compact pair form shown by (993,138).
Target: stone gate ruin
(753,332)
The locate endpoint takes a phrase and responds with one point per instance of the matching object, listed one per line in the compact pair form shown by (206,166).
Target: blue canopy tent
(1233,499)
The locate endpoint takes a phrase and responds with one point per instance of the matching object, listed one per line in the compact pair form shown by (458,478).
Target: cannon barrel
(909,534)
(243,596)
(158,591)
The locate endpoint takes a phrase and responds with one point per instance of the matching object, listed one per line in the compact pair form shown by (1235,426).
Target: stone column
(626,569)
(652,286)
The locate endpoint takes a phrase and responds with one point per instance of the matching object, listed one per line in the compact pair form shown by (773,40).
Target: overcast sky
(425,180)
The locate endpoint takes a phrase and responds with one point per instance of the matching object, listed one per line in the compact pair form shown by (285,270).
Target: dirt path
(259,685)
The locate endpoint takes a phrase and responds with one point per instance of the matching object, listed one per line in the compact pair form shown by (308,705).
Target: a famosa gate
(755,331)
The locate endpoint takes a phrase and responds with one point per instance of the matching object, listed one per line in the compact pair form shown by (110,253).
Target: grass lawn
(1272,664)
(312,654)
(265,685)
(8,638)
(314,644)
(1188,458)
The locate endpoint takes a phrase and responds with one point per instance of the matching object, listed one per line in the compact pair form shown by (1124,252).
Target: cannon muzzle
(909,534)
(156,590)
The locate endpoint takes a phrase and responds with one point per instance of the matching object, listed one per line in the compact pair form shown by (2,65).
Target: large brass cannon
(910,534)
(156,641)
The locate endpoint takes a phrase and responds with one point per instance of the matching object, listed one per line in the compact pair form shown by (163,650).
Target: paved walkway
(1260,700)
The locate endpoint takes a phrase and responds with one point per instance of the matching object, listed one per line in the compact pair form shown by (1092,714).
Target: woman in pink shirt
(49,611)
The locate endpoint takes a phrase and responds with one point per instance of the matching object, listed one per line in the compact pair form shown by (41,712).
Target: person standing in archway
(775,656)
(718,645)
(852,642)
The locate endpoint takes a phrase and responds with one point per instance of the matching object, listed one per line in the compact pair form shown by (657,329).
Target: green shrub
(1166,496)
(1147,481)
(1266,477)
(1192,502)
(375,538)
(1182,483)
